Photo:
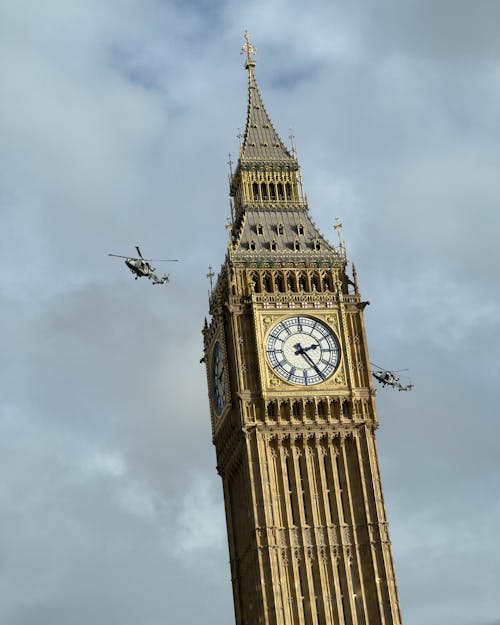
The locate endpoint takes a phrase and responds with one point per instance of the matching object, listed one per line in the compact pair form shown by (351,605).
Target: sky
(116,120)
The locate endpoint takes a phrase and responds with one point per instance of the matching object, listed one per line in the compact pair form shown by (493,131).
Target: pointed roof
(260,141)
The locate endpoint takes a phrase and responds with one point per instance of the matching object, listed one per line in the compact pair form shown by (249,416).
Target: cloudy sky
(116,120)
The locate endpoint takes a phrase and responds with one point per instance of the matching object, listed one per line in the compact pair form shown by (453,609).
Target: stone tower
(292,406)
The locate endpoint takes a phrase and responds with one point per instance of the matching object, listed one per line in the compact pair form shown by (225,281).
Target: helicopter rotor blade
(374,364)
(139,252)
(161,260)
(119,256)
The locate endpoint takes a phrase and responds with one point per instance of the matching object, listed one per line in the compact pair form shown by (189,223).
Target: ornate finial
(249,50)
(230,163)
(291,136)
(210,276)
(338,227)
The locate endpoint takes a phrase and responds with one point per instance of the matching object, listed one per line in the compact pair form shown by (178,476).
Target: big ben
(292,405)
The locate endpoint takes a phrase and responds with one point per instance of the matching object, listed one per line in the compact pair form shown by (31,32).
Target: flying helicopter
(141,267)
(389,378)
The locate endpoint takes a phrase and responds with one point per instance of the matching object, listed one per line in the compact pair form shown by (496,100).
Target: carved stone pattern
(333,536)
(284,555)
(321,537)
(346,535)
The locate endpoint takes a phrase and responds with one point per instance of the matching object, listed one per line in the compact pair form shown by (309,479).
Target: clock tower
(292,405)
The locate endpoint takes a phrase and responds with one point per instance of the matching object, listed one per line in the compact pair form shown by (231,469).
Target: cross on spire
(249,50)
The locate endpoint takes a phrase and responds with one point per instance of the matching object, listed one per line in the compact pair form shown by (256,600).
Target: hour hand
(302,350)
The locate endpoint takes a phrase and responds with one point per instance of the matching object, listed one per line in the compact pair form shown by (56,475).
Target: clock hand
(301,349)
(305,355)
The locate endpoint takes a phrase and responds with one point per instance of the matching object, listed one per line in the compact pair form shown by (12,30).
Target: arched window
(272,191)
(273,246)
(281,195)
(288,189)
(251,245)
(263,190)
(280,229)
(296,246)
(279,283)
(271,409)
(259,229)
(296,409)
(255,189)
(267,284)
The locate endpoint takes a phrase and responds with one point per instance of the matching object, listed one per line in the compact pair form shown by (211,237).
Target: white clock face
(302,350)
(219,382)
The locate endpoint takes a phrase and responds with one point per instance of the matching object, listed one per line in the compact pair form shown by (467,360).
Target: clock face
(302,350)
(219,382)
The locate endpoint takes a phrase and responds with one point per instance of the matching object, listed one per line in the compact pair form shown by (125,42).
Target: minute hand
(302,352)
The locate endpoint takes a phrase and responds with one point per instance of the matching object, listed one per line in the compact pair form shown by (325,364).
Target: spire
(260,141)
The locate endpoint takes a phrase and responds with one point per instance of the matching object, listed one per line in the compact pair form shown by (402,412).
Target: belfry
(292,405)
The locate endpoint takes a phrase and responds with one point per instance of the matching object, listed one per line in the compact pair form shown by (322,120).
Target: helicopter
(389,378)
(142,269)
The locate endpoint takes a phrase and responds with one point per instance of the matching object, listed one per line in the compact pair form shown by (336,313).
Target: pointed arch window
(271,409)
(280,229)
(273,246)
(263,190)
(251,246)
(255,190)
(267,284)
(296,246)
(288,190)
(317,245)
(300,229)
(281,195)
(260,229)
(272,191)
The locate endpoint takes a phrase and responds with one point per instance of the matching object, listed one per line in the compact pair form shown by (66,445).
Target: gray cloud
(116,121)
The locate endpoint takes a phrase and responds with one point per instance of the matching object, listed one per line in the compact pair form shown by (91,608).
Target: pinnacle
(260,141)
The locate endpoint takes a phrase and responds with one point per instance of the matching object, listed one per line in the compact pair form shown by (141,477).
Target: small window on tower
(296,246)
(273,246)
(271,409)
(260,229)
(280,229)
(251,246)
(300,229)
(317,245)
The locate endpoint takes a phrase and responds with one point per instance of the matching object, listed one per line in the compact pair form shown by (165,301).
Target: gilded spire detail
(250,52)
